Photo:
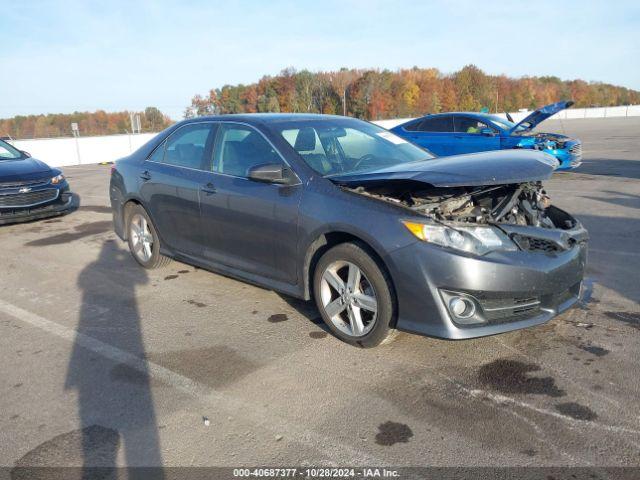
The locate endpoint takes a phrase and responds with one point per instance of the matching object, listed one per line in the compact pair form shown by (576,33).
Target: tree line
(378,94)
(89,123)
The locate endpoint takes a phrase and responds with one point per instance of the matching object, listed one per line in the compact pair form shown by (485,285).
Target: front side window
(436,124)
(346,146)
(186,146)
(469,125)
(239,148)
(7,152)
(158,153)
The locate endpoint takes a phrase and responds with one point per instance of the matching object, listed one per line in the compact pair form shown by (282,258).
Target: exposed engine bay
(525,204)
(549,140)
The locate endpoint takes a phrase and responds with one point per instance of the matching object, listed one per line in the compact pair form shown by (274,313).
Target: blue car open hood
(540,115)
(475,169)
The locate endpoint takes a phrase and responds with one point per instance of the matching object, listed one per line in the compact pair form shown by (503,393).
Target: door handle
(209,189)
(145,175)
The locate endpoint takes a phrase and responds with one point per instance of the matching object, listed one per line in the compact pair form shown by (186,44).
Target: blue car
(30,189)
(456,133)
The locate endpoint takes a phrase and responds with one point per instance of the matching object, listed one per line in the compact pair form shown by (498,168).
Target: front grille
(509,309)
(25,183)
(28,199)
(533,244)
(576,153)
(576,149)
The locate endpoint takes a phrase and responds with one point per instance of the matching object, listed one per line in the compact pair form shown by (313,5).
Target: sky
(65,56)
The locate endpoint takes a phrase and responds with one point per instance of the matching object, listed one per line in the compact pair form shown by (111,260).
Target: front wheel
(354,295)
(143,239)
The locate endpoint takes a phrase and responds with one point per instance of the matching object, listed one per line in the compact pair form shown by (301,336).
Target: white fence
(59,152)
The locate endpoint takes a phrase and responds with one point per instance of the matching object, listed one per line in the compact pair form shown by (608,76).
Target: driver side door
(248,225)
(472,135)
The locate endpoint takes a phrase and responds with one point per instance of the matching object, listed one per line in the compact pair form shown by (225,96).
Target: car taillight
(113,169)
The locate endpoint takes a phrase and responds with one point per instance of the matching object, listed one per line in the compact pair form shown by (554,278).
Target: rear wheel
(143,239)
(354,295)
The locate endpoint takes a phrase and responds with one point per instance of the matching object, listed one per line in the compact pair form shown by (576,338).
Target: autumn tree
(375,94)
(89,123)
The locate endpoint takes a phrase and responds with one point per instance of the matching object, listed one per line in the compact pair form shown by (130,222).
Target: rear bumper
(66,202)
(512,290)
(117,206)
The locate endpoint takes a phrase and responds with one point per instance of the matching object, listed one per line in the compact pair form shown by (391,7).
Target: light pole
(344,101)
(76,133)
(344,95)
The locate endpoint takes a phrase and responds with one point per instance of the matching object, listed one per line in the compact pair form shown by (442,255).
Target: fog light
(462,307)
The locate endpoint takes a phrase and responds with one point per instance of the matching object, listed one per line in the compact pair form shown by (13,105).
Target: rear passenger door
(170,184)
(434,133)
(473,135)
(248,225)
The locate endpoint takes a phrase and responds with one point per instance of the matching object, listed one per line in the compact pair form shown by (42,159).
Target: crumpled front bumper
(570,156)
(513,290)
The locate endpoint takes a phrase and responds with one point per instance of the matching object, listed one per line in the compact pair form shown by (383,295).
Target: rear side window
(239,148)
(436,124)
(413,126)
(469,125)
(186,147)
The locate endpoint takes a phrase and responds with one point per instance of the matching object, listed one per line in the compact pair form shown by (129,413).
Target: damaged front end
(568,151)
(521,215)
(517,259)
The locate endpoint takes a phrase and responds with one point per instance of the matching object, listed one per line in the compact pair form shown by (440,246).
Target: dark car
(455,133)
(380,233)
(29,188)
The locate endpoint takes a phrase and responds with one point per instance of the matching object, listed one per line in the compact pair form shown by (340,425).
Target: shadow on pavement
(611,168)
(115,403)
(612,262)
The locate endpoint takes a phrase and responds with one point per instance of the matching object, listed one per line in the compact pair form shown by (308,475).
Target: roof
(269,117)
(477,115)
(473,114)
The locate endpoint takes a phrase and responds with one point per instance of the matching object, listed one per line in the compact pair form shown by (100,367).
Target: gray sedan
(380,233)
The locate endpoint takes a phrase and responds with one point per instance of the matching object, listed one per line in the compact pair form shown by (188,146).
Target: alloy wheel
(348,298)
(141,238)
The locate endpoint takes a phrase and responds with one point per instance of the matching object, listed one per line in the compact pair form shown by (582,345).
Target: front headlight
(476,240)
(57,179)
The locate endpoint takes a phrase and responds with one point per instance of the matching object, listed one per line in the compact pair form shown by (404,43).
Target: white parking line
(328,447)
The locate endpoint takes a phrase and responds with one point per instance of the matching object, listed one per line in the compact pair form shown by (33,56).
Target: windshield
(504,124)
(346,146)
(7,152)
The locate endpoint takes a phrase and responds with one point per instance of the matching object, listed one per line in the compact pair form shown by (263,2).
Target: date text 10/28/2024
(364,473)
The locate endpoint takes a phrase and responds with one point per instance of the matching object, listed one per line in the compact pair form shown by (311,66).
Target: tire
(342,299)
(146,253)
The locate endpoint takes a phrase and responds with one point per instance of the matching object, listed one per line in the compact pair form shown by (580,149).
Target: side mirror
(26,154)
(271,173)
(487,132)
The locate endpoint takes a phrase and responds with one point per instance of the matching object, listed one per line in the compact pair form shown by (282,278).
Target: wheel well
(329,240)
(125,215)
